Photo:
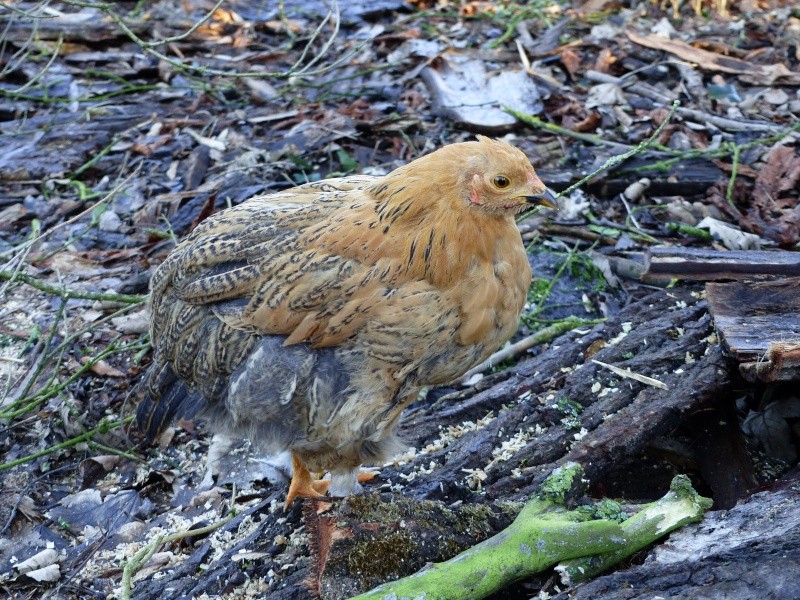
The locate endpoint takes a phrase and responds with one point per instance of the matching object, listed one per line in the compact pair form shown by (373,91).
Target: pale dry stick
(628,374)
(630,212)
(11,359)
(526,63)
(540,337)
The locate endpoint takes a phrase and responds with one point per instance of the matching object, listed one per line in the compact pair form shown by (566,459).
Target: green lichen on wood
(396,549)
(390,537)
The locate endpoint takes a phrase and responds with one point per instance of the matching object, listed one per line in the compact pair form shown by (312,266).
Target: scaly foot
(303,484)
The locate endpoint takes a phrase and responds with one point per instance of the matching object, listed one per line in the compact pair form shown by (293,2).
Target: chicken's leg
(303,484)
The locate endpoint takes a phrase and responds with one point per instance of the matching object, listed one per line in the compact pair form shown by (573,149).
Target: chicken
(306,320)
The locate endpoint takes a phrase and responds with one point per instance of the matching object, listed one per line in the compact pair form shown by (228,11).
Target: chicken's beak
(546,198)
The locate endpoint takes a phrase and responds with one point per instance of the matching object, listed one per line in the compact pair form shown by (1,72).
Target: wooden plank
(701,264)
(759,323)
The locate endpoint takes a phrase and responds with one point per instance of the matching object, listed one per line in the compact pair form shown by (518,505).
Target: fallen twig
(628,374)
(540,337)
(66,293)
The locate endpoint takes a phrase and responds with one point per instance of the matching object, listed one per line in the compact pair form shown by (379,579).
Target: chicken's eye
(501,181)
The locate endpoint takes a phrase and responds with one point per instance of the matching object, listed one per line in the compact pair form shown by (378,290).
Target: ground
(125,124)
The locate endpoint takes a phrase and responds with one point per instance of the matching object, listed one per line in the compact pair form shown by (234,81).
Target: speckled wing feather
(258,270)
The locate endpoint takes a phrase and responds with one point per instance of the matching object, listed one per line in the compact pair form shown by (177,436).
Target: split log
(363,541)
(505,434)
(760,326)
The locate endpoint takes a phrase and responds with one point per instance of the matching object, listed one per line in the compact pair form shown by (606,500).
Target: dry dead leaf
(466,90)
(147,148)
(11,214)
(780,174)
(471,9)
(593,6)
(571,61)
(605,94)
(711,61)
(604,61)
(137,322)
(590,123)
(730,237)
(102,368)
(49,573)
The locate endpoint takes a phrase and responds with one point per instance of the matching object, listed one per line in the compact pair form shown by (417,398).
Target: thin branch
(188,32)
(540,337)
(621,158)
(102,427)
(66,293)
(43,70)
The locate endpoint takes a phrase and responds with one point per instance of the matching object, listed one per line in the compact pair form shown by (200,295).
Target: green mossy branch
(545,534)
(102,427)
(66,293)
(680,506)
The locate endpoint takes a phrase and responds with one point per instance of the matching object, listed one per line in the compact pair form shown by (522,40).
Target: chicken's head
(499,178)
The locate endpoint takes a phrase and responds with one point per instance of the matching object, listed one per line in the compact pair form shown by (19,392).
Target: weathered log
(690,176)
(759,325)
(526,421)
(363,541)
(702,264)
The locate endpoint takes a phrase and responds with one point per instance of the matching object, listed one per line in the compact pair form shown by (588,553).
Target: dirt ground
(124,125)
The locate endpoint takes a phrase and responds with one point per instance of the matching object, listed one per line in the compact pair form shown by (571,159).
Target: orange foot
(364,476)
(303,485)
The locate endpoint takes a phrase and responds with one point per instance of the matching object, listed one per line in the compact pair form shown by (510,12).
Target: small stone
(109,221)
(776,96)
